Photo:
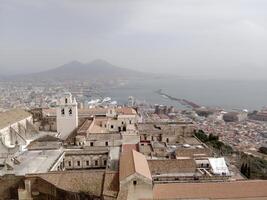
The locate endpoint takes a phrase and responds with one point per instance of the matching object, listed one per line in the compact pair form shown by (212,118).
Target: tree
(263,150)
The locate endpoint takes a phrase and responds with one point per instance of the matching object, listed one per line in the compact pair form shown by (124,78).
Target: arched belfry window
(66,100)
(70,111)
(62,111)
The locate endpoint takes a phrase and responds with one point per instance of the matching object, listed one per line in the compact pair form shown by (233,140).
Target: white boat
(106,99)
(94,101)
(113,102)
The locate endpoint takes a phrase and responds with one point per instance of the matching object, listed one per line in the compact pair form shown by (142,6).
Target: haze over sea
(228,94)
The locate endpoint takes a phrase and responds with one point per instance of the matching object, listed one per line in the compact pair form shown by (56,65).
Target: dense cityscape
(80,136)
(238,128)
(133,100)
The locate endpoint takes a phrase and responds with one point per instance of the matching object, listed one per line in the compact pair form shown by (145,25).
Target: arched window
(66,100)
(70,111)
(62,111)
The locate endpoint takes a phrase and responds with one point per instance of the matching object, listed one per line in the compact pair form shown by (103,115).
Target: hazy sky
(184,37)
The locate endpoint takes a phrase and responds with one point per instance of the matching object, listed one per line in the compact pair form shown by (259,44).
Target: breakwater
(184,102)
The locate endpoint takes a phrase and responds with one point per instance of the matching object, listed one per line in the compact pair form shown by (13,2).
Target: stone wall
(9,185)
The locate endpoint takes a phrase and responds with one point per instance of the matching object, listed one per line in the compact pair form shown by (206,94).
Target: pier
(181,101)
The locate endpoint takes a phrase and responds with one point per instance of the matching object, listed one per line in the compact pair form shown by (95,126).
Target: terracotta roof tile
(12,116)
(126,111)
(133,162)
(222,190)
(76,181)
(171,166)
(111,184)
(129,147)
(84,128)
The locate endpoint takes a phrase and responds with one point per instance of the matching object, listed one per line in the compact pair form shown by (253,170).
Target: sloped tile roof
(12,116)
(134,162)
(90,182)
(171,166)
(222,190)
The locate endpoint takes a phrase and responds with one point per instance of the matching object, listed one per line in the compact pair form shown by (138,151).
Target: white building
(15,129)
(67,115)
(219,167)
(131,101)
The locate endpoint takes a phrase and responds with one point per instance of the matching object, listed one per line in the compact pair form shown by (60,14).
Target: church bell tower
(67,115)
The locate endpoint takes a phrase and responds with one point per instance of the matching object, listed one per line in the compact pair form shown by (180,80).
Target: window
(121,122)
(91,144)
(70,111)
(111,126)
(130,121)
(66,100)
(96,162)
(134,182)
(167,140)
(69,163)
(78,163)
(106,144)
(87,162)
(105,162)
(62,111)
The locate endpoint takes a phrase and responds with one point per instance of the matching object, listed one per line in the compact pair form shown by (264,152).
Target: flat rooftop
(35,161)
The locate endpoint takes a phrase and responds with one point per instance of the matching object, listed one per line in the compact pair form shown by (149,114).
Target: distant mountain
(97,69)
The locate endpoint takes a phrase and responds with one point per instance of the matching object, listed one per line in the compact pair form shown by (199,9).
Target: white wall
(9,139)
(66,122)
